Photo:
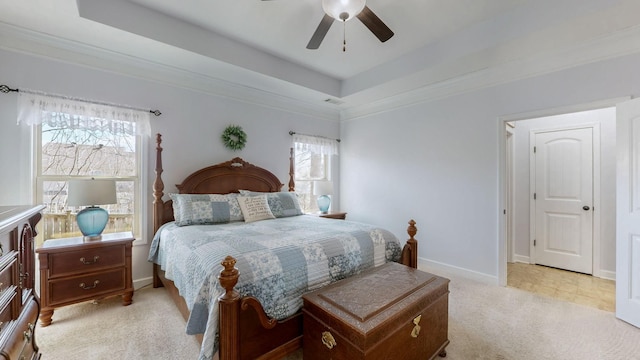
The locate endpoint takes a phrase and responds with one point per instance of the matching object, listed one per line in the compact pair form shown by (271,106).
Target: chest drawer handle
(85,287)
(328,340)
(416,329)
(95,260)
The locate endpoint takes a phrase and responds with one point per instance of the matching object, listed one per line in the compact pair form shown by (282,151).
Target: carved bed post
(229,305)
(410,250)
(158,205)
(292,184)
(158,187)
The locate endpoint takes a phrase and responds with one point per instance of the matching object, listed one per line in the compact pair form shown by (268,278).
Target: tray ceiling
(260,45)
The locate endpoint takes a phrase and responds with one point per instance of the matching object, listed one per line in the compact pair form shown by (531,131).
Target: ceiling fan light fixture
(343,10)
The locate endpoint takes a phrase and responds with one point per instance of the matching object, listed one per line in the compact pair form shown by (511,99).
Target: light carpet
(485,322)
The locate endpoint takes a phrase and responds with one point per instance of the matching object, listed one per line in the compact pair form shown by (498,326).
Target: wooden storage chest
(390,312)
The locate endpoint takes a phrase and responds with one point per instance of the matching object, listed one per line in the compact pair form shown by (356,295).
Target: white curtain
(35,109)
(316,144)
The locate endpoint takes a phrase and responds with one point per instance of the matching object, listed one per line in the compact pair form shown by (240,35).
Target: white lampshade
(350,8)
(322,188)
(91,192)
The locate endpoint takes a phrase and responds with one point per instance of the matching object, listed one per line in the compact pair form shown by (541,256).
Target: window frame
(327,177)
(140,213)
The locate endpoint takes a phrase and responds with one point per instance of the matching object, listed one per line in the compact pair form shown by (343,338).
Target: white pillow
(255,208)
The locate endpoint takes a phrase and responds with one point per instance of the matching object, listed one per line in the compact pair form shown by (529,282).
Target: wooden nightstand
(73,270)
(333,215)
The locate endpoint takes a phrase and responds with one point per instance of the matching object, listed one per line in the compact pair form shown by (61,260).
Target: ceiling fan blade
(373,22)
(320,32)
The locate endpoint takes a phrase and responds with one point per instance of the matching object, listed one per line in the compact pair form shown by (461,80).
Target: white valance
(316,144)
(36,109)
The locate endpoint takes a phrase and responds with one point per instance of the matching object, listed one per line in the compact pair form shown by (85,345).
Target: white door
(564,199)
(628,213)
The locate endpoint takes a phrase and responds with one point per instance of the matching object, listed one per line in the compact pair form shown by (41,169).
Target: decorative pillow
(282,204)
(255,208)
(182,207)
(191,209)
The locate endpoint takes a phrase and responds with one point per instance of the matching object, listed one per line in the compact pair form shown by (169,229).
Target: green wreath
(234,137)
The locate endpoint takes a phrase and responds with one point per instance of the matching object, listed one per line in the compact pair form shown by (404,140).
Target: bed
(249,325)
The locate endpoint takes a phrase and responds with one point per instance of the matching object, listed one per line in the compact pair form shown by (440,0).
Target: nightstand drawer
(86,260)
(86,287)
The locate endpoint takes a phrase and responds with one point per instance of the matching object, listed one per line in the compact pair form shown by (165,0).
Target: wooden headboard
(223,178)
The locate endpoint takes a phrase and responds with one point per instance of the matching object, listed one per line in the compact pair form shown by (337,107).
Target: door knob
(585,207)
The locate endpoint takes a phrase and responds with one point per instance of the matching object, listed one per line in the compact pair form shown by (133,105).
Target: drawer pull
(328,340)
(28,334)
(85,287)
(95,260)
(416,329)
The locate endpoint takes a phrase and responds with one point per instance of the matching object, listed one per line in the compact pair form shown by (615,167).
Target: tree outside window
(86,152)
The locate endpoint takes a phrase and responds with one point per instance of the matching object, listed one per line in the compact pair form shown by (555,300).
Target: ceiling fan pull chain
(344,35)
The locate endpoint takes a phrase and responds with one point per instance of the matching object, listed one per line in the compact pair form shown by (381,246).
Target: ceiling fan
(344,10)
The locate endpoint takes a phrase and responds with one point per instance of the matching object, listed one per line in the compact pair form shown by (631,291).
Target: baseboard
(609,275)
(521,259)
(443,269)
(140,283)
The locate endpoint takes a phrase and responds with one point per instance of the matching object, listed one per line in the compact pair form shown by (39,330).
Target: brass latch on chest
(328,340)
(416,329)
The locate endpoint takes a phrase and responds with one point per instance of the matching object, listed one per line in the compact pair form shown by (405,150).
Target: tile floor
(564,285)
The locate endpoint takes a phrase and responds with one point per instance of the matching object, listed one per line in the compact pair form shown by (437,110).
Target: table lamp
(323,189)
(92,220)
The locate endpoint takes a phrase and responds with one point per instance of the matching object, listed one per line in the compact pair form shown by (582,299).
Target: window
(312,163)
(77,140)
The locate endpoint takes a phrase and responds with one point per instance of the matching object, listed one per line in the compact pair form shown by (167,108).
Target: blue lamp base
(323,203)
(92,221)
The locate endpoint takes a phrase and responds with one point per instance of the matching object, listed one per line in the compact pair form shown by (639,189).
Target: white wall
(605,120)
(438,161)
(435,162)
(191,124)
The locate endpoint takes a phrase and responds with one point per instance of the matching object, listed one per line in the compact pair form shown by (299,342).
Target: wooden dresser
(19,304)
(73,270)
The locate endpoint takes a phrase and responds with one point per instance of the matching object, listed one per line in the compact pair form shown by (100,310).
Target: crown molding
(299,100)
(303,101)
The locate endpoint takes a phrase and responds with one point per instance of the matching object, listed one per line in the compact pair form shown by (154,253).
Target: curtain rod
(324,137)
(6,89)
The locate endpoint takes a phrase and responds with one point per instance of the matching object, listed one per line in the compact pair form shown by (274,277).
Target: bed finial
(410,250)
(412,230)
(229,277)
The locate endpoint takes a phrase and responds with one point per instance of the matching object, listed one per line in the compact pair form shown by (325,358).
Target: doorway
(518,234)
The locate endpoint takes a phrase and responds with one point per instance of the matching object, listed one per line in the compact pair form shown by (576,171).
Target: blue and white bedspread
(278,259)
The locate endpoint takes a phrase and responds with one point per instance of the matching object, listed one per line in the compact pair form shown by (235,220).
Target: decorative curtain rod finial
(5,89)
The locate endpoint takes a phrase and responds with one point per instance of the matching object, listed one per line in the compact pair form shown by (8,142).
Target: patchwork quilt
(278,259)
